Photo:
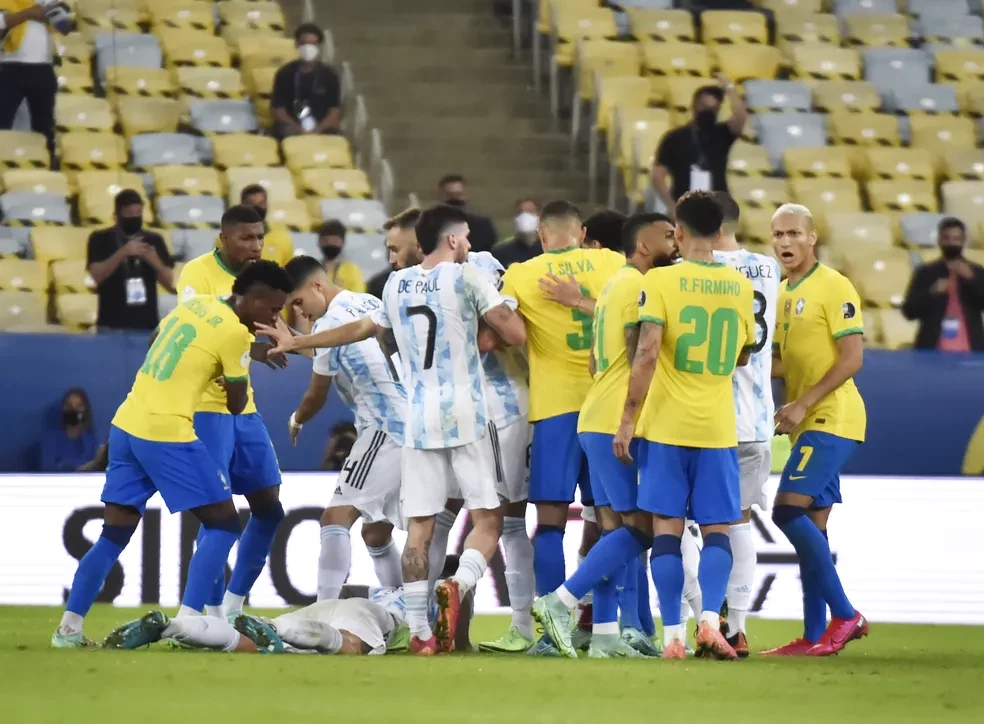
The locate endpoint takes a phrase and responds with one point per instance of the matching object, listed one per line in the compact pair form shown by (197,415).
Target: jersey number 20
(722,342)
(164,355)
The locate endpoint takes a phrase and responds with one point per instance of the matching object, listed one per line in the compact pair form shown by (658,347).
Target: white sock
(309,634)
(471,568)
(213,611)
(203,632)
(589,596)
(386,562)
(711,617)
(742,576)
(691,561)
(184,612)
(519,572)
(605,629)
(232,603)
(415,595)
(334,561)
(566,597)
(70,623)
(677,632)
(438,550)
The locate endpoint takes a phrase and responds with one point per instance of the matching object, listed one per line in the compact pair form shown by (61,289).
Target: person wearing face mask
(526,243)
(307,94)
(71,444)
(277,244)
(453,191)
(695,156)
(946,296)
(127,262)
(331,242)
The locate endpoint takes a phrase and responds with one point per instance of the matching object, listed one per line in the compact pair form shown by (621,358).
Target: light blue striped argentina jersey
(434,315)
(506,371)
(753,382)
(367,381)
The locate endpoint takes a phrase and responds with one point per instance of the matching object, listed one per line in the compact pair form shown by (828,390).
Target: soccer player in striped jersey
(368,383)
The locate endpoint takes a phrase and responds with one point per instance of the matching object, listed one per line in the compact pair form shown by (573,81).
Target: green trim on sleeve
(848,332)
(654,320)
(244,378)
(631,325)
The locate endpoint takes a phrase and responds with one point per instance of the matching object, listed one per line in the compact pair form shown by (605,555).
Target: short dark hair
(730,211)
(523,199)
(605,227)
(708,90)
(636,223)
(332,227)
(451,178)
(951,222)
(251,190)
(264,272)
(240,214)
(301,267)
(406,219)
(560,210)
(309,29)
(126,197)
(700,213)
(433,224)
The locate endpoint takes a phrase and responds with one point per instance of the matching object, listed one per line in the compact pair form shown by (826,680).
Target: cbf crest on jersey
(800,305)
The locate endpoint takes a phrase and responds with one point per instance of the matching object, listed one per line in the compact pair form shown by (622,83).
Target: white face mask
(527,222)
(309,52)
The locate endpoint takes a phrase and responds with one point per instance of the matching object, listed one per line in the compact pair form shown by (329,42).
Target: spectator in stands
(277,245)
(340,442)
(307,94)
(331,241)
(946,296)
(454,192)
(71,444)
(526,243)
(401,240)
(127,263)
(696,155)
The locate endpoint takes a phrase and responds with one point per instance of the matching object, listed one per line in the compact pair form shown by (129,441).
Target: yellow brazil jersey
(207,274)
(348,276)
(812,315)
(558,339)
(200,341)
(706,310)
(616,310)
(277,246)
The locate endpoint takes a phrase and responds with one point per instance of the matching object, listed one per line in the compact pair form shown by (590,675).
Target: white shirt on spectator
(35,48)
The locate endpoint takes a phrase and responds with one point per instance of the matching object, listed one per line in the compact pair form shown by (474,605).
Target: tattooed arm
(631,342)
(643,368)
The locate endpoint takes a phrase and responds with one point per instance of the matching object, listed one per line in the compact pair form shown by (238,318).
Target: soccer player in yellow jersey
(697,323)
(558,347)
(648,240)
(818,349)
(153,446)
(240,443)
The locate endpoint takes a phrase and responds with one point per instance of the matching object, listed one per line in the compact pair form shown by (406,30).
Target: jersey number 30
(164,355)
(722,342)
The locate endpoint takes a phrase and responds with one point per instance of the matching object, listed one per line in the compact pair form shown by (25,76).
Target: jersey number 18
(164,355)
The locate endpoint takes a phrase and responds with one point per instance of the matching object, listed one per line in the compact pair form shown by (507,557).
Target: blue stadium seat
(939,8)
(778,95)
(929,98)
(367,251)
(32,209)
(223,116)
(367,214)
(165,149)
(955,29)
(891,68)
(132,50)
(779,131)
(920,229)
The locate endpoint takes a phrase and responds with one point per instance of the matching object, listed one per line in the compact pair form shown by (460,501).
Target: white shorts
(430,477)
(370,479)
(368,620)
(512,444)
(754,466)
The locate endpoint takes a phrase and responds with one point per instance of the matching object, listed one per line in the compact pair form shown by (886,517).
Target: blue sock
(645,608)
(548,559)
(812,548)
(95,566)
(218,588)
(666,565)
(207,564)
(604,559)
(814,607)
(714,570)
(605,600)
(254,547)
(628,595)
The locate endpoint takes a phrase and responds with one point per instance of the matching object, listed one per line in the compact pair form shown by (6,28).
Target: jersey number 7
(428,314)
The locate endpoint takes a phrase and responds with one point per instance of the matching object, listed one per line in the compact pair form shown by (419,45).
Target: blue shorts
(814,466)
(557,462)
(184,473)
(241,445)
(681,482)
(613,483)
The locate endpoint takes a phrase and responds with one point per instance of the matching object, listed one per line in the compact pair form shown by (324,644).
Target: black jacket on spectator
(516,250)
(687,146)
(114,312)
(320,90)
(375,285)
(481,232)
(929,309)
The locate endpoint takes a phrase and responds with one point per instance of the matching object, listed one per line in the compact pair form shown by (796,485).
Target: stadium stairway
(440,83)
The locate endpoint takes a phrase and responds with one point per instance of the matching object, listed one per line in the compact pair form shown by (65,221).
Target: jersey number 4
(722,342)
(164,355)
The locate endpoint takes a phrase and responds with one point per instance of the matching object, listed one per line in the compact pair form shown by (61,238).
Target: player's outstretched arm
(507,323)
(850,356)
(640,377)
(346,334)
(311,403)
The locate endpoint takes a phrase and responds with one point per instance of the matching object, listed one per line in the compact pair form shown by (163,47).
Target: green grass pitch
(898,674)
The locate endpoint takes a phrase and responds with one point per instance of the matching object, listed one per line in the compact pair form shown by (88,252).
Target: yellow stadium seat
(743,62)
(550,7)
(897,332)
(54,243)
(568,28)
(963,165)
(234,35)
(799,7)
(259,52)
(149,115)
(877,30)
(19,309)
(259,81)
(829,162)
(96,20)
(864,129)
(853,230)
(207,82)
(688,59)
(278,182)
(191,49)
(903,195)
(834,95)
(69,276)
(257,15)
(748,159)
(82,113)
(598,58)
(97,189)
(898,163)
(818,28)
(186,180)
(23,149)
(184,15)
(733,26)
(825,196)
(975,255)
(75,78)
(755,226)
(668,26)
(970,94)
(960,65)
(618,92)
(940,134)
(77,311)
(82,151)
(333,183)
(139,82)
(289,214)
(965,200)
(39,181)
(758,192)
(244,149)
(813,61)
(880,275)
(630,123)
(21,275)
(302,152)
(73,48)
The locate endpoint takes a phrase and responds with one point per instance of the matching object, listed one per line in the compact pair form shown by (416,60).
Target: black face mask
(455,202)
(706,118)
(331,252)
(72,417)
(131,225)
(951,252)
